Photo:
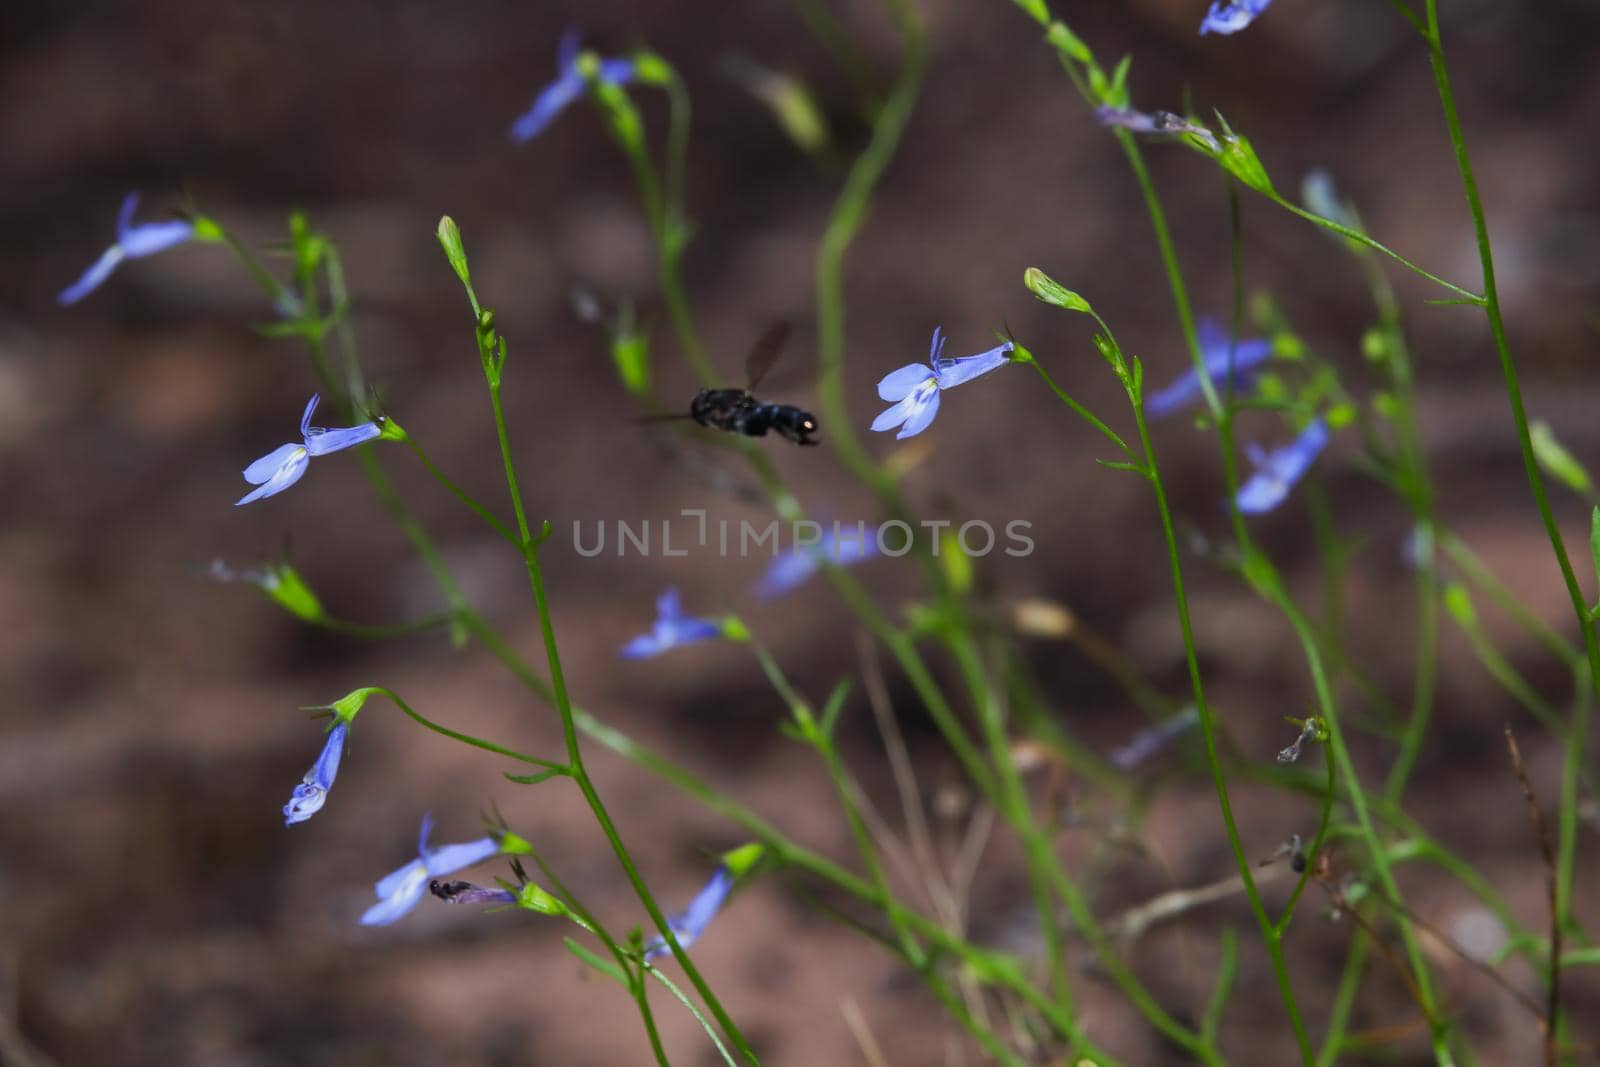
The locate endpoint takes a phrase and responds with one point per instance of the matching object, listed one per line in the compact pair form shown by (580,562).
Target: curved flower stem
(462,495)
(1578,731)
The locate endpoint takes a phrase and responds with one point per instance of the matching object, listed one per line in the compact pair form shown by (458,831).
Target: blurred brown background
(154,910)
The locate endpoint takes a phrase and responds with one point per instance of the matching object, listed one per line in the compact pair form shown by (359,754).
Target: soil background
(154,909)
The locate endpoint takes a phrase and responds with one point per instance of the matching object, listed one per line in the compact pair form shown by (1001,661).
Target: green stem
(1578,733)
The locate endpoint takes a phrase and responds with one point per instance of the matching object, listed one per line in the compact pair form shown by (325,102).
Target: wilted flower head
(688,925)
(283,466)
(1154,122)
(800,562)
(568,86)
(1231,16)
(312,792)
(1277,471)
(133,242)
(1219,357)
(672,628)
(915,388)
(400,890)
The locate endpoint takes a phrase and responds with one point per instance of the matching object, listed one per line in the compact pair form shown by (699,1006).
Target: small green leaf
(1036,10)
(630,351)
(605,967)
(1066,42)
(1120,465)
(541,776)
(835,704)
(956,564)
(1556,460)
(1051,291)
(1458,602)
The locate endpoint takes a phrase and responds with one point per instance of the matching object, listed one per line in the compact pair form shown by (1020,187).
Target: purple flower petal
(1231,16)
(920,416)
(899,384)
(293,460)
(688,925)
(1278,471)
(92,278)
(962,369)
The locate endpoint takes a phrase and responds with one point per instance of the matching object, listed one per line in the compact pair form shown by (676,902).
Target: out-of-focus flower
(914,389)
(1231,16)
(799,563)
(1277,471)
(672,628)
(133,242)
(312,792)
(1146,743)
(283,466)
(1218,356)
(567,87)
(400,890)
(688,925)
(467,893)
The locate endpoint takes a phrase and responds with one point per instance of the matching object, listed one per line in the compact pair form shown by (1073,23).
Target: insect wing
(764,353)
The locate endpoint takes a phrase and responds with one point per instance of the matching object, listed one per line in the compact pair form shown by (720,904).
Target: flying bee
(738,410)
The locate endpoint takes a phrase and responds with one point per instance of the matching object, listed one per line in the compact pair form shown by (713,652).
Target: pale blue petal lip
(406,887)
(935,348)
(962,369)
(92,278)
(389,883)
(305,419)
(667,604)
(920,416)
(320,442)
(897,414)
(269,464)
(285,476)
(898,384)
(400,890)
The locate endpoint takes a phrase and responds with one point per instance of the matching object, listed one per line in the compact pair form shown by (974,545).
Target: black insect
(738,411)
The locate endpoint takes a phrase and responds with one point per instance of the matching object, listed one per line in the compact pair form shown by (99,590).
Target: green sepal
(734,629)
(206,229)
(348,706)
(1339,415)
(1238,157)
(741,860)
(284,585)
(649,68)
(1051,291)
(533,898)
(513,845)
(630,351)
(392,431)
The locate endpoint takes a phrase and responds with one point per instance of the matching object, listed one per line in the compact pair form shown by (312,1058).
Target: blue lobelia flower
(915,388)
(283,466)
(400,890)
(1231,16)
(312,792)
(1162,122)
(133,242)
(1277,471)
(1215,352)
(688,925)
(554,98)
(797,565)
(672,628)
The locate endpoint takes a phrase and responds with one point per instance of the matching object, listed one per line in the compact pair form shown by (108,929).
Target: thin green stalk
(1578,733)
